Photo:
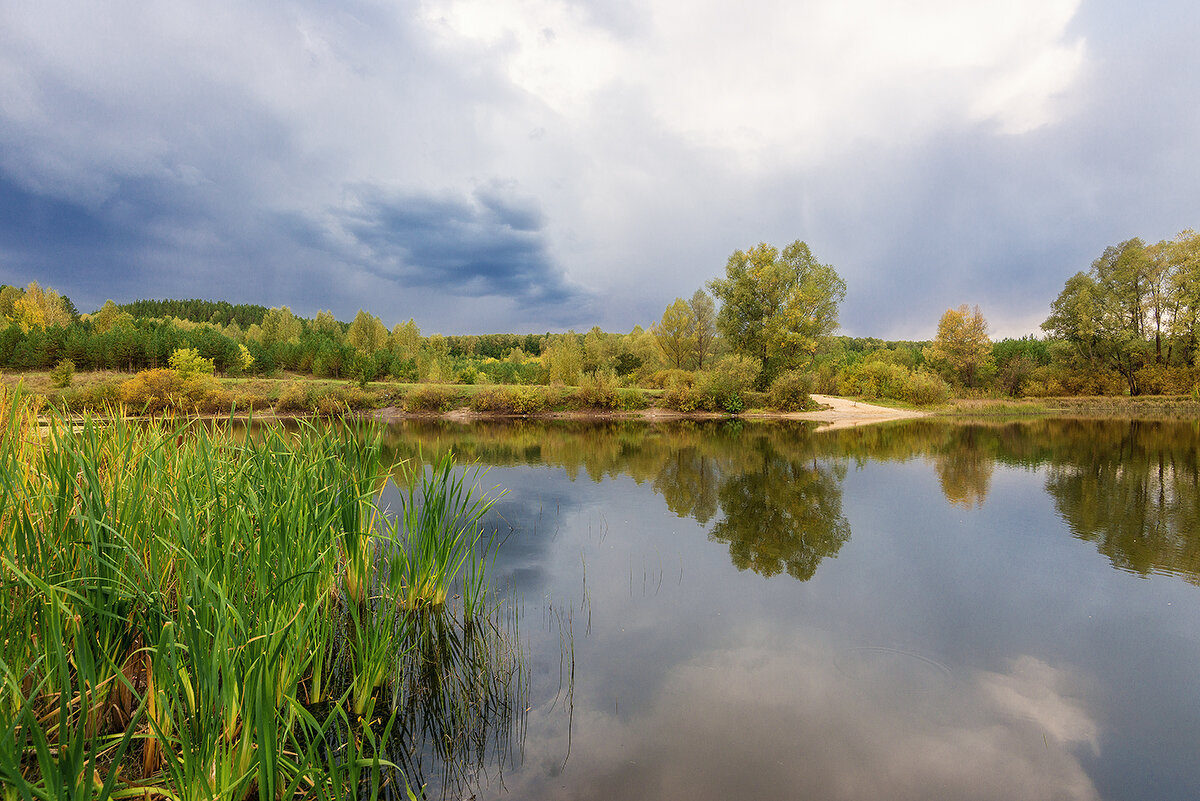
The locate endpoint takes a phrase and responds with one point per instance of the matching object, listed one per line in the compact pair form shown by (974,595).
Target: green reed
(170,598)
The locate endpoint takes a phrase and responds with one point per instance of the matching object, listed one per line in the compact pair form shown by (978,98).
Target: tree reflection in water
(774,490)
(1132,489)
(785,515)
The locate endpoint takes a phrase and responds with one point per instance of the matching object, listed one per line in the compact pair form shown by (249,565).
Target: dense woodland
(1129,325)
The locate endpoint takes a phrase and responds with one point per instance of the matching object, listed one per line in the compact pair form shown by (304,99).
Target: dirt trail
(844,413)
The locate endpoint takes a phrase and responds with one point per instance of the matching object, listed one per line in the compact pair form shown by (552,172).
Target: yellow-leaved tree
(961,351)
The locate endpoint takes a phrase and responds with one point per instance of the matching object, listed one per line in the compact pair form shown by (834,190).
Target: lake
(903,611)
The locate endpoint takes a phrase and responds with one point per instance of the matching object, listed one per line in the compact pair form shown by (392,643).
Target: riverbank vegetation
(189,612)
(1126,327)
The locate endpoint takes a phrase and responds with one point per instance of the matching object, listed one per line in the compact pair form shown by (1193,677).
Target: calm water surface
(908,611)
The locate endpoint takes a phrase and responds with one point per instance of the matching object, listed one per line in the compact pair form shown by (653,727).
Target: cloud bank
(537,165)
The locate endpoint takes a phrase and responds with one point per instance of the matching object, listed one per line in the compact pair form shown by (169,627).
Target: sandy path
(844,413)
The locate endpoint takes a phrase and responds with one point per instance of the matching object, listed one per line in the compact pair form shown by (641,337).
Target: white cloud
(829,727)
(788,80)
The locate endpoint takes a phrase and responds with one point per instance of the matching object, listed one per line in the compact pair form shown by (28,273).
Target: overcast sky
(499,165)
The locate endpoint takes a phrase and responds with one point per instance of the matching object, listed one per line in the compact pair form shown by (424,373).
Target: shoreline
(837,413)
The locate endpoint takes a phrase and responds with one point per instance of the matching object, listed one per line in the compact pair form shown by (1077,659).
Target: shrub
(874,379)
(245,401)
(331,404)
(631,400)
(666,378)
(681,397)
(720,389)
(430,398)
(500,400)
(294,399)
(598,390)
(1158,379)
(789,391)
(736,373)
(63,373)
(218,401)
(151,391)
(926,389)
(196,388)
(96,397)
(187,363)
(529,400)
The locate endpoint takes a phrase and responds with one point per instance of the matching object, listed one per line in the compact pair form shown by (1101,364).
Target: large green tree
(777,306)
(676,334)
(1104,313)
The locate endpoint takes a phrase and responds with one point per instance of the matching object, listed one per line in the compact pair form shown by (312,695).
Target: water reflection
(1130,487)
(924,666)
(785,514)
(715,733)
(772,492)
(1133,491)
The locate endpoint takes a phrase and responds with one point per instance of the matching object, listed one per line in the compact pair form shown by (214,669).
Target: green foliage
(431,398)
(961,350)
(367,333)
(497,400)
(361,369)
(63,373)
(201,311)
(777,307)
(875,379)
(925,389)
(530,400)
(188,363)
(720,389)
(245,359)
(563,357)
(631,400)
(173,603)
(790,391)
(598,391)
(676,334)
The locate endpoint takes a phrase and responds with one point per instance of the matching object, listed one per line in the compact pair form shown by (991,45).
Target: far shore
(837,413)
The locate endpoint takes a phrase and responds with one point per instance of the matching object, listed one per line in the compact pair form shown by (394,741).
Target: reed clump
(190,614)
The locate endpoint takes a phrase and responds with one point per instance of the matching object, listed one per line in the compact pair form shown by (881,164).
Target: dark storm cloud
(490,243)
(381,156)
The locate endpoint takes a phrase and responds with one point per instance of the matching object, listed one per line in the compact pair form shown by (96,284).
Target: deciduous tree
(777,307)
(367,333)
(961,348)
(676,334)
(280,325)
(704,312)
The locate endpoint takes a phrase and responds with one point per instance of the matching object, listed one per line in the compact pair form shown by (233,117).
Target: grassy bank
(1148,407)
(190,614)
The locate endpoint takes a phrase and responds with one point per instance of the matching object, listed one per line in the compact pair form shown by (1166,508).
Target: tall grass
(192,615)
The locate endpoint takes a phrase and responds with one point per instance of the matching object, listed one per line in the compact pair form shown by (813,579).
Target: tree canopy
(777,306)
(961,348)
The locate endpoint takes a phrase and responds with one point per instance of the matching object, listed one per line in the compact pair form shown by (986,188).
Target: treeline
(1130,325)
(38,330)
(217,312)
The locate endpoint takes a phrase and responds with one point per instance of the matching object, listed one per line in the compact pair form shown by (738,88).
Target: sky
(511,166)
